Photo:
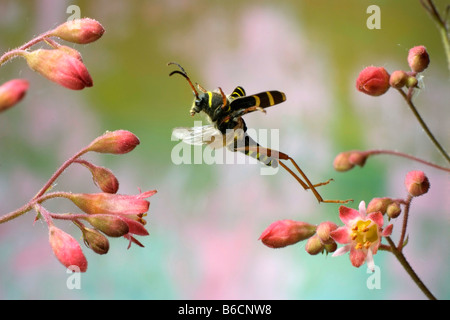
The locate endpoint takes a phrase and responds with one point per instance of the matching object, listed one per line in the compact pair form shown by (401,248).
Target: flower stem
(405,223)
(16,213)
(21,50)
(58,173)
(401,258)
(40,197)
(27,207)
(441,24)
(423,124)
(407,156)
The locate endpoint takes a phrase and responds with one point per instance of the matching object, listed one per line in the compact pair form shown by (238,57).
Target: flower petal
(374,247)
(362,209)
(347,215)
(146,194)
(135,227)
(387,231)
(357,256)
(376,217)
(341,251)
(132,240)
(341,235)
(369,260)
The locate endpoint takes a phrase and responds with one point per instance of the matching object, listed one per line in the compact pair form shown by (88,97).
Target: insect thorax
(211,103)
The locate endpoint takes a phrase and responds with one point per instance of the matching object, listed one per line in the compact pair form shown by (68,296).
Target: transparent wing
(204,135)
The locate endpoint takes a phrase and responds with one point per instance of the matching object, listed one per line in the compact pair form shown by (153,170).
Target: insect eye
(198,102)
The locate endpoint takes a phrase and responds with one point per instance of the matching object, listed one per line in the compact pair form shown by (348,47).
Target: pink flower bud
(286,232)
(11,92)
(314,245)
(107,203)
(331,247)
(373,81)
(103,177)
(393,210)
(111,225)
(70,51)
(345,161)
(115,142)
(66,249)
(398,79)
(341,162)
(323,231)
(411,82)
(357,158)
(378,205)
(80,31)
(95,241)
(60,67)
(417,183)
(418,58)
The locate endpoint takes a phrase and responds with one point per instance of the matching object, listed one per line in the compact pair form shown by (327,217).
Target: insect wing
(202,135)
(238,92)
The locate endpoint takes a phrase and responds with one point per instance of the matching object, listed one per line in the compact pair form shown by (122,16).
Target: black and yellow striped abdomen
(260,100)
(245,144)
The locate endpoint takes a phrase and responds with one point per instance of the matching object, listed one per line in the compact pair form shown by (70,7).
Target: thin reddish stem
(407,156)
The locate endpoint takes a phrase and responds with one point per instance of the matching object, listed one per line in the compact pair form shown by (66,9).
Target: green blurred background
(205,219)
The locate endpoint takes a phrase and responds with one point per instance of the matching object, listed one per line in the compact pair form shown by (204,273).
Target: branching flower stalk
(109,213)
(81,31)
(424,126)
(347,160)
(405,264)
(60,64)
(364,229)
(442,25)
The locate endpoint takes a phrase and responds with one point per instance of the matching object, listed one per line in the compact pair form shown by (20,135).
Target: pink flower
(115,142)
(286,232)
(12,92)
(67,249)
(373,81)
(417,183)
(110,203)
(129,208)
(398,79)
(345,161)
(418,58)
(361,234)
(61,67)
(80,31)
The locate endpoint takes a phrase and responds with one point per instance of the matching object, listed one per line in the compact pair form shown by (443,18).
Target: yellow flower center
(364,233)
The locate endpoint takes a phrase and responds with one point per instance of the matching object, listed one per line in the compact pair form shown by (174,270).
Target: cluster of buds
(60,64)
(385,205)
(376,81)
(108,214)
(346,160)
(361,233)
(283,233)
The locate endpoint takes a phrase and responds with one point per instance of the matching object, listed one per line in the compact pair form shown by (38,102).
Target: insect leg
(224,98)
(239,113)
(308,182)
(201,88)
(305,183)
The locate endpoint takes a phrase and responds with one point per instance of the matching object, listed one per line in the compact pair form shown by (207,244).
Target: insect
(228,129)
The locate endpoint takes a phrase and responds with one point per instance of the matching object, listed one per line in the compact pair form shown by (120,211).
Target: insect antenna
(184,74)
